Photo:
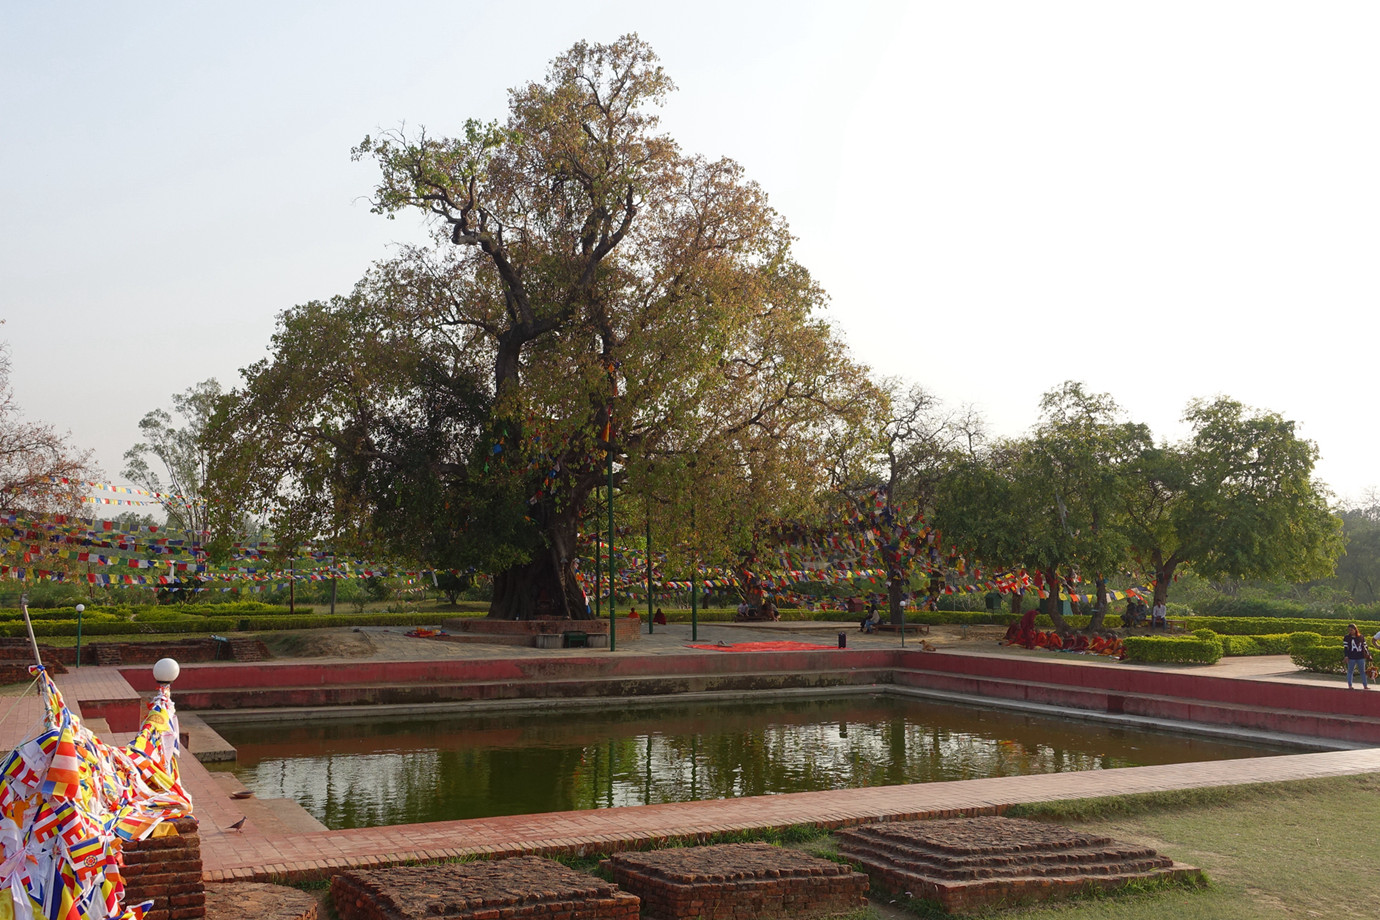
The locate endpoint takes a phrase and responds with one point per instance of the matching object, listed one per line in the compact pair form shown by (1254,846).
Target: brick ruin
(519,888)
(971,864)
(737,882)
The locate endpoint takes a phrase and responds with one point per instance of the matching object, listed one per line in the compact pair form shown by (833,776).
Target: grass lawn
(1299,849)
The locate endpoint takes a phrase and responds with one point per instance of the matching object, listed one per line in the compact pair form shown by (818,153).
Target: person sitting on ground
(659,618)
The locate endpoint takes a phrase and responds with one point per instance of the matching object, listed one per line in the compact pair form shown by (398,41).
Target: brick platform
(167,870)
(514,889)
(737,882)
(970,864)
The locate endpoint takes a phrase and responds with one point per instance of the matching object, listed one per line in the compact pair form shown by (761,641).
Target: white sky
(1164,200)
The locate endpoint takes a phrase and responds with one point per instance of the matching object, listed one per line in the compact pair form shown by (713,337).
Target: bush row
(1173,649)
(1223,606)
(1240,646)
(1254,626)
(204,624)
(1321,653)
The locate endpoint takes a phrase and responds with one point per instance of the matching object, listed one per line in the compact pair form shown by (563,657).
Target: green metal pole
(80,609)
(613,607)
(694,606)
(650,624)
(694,574)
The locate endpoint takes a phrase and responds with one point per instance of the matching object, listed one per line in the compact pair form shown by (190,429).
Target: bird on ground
(238,825)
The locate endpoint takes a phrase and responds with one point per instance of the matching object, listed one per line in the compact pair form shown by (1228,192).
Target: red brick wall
(167,870)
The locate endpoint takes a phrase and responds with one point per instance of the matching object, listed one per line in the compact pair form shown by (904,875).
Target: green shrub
(1240,646)
(1274,644)
(1173,649)
(1277,644)
(121,627)
(1303,640)
(1224,606)
(1256,626)
(1324,657)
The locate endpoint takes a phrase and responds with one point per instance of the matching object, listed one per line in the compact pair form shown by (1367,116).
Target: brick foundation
(512,889)
(737,882)
(167,871)
(972,864)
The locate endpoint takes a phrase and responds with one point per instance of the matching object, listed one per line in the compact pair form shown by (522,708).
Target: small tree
(40,471)
(174,441)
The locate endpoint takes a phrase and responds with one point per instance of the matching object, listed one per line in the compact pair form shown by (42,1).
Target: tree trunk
(547,586)
(894,584)
(1164,574)
(1100,608)
(1052,604)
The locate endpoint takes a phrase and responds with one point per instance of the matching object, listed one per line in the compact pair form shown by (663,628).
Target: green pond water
(378,771)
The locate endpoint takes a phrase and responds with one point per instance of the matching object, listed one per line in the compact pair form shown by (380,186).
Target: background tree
(889,485)
(1358,570)
(40,471)
(1087,448)
(591,291)
(174,441)
(1236,500)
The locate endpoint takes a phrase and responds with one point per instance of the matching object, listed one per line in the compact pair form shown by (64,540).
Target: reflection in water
(402,771)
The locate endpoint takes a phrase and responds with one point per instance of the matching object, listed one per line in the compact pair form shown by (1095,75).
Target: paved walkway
(276,843)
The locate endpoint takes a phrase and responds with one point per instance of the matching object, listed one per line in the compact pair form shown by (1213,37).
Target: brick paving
(264,850)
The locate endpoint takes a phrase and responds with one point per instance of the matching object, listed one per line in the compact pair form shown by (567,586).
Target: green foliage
(1304,640)
(1227,606)
(121,628)
(1325,657)
(1256,645)
(179,451)
(1173,649)
(1260,626)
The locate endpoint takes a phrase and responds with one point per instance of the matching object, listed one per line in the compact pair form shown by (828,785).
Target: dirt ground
(392,642)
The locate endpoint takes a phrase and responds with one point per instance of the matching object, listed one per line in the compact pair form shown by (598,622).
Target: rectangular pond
(374,771)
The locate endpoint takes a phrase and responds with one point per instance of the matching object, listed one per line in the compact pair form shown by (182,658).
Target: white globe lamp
(165,670)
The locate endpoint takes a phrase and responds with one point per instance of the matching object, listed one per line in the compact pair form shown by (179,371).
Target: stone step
(969,863)
(1031,865)
(1149,705)
(556,688)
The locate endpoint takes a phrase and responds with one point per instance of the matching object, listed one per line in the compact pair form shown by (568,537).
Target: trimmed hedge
(1277,644)
(1324,657)
(1257,626)
(204,624)
(121,627)
(1173,649)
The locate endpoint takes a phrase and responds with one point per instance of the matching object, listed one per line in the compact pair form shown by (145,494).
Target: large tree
(593,297)
(1235,500)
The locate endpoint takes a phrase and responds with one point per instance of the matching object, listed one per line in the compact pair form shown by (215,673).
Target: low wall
(1113,687)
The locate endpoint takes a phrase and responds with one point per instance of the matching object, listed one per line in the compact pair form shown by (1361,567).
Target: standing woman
(1355,647)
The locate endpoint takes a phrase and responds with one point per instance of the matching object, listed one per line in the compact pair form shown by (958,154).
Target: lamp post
(81,608)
